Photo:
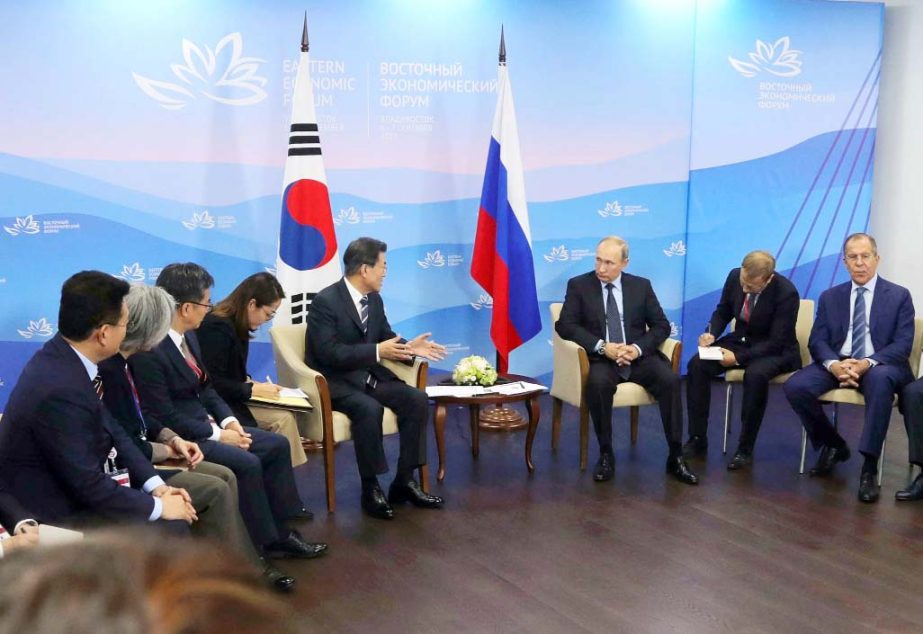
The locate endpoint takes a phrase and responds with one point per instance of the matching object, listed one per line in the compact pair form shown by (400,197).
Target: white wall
(897,217)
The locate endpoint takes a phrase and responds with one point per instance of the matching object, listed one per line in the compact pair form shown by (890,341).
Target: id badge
(119,475)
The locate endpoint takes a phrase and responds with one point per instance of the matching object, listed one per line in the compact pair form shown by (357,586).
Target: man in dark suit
(56,439)
(617,319)
(176,392)
(861,338)
(912,406)
(348,335)
(765,307)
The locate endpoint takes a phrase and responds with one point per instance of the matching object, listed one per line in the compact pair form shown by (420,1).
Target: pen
(268,379)
(708,328)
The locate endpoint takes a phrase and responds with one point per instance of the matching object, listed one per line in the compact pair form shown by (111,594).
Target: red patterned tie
(745,312)
(190,361)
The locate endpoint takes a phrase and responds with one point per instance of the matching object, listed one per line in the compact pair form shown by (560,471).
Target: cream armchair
(571,367)
(323,423)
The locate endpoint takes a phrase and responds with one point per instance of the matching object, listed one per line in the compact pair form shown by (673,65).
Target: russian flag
(502,259)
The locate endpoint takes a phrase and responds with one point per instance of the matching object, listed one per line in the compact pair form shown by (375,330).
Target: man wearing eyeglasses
(176,391)
(764,306)
(861,338)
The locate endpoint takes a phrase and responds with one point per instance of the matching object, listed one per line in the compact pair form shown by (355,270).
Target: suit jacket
(12,512)
(120,403)
(583,316)
(225,357)
(335,345)
(54,440)
(890,323)
(771,329)
(171,393)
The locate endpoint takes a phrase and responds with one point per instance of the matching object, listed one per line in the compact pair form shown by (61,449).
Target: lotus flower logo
(236,84)
(674,329)
(676,248)
(777,59)
(202,220)
(132,273)
(557,254)
(349,215)
(27,225)
(434,259)
(40,328)
(484,301)
(611,209)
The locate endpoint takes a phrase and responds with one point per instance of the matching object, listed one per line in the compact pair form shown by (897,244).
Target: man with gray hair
(861,338)
(764,306)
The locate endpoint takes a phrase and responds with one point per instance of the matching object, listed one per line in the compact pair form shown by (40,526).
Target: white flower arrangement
(474,370)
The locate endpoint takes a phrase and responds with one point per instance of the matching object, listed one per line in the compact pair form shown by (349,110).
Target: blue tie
(364,312)
(614,326)
(859,326)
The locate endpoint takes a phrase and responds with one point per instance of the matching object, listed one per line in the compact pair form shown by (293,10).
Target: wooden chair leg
(424,478)
(728,404)
(634,424)
(330,474)
(584,435)
(556,404)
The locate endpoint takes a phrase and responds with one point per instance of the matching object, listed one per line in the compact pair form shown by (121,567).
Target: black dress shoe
(695,446)
(294,546)
(740,460)
(605,467)
(276,579)
(678,468)
(411,492)
(303,514)
(868,488)
(912,493)
(827,459)
(375,504)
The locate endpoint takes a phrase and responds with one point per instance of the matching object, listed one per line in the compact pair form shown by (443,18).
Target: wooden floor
(759,551)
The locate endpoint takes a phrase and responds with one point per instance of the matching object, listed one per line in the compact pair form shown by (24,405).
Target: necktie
(614,326)
(859,326)
(364,312)
(98,386)
(745,311)
(191,362)
(137,400)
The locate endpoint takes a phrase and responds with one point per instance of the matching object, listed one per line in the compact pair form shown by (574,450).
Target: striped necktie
(98,386)
(364,312)
(859,326)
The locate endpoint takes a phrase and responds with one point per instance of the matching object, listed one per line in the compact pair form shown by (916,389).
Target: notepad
(710,353)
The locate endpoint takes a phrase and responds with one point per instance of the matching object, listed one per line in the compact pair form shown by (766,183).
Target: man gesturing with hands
(348,336)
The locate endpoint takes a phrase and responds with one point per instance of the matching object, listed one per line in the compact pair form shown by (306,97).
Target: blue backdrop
(136,134)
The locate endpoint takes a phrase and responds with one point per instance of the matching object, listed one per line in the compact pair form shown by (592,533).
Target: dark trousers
(654,373)
(878,386)
(756,393)
(366,408)
(265,482)
(912,407)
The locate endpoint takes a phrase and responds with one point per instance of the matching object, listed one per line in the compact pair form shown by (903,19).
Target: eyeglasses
(209,305)
(269,315)
(125,325)
(852,258)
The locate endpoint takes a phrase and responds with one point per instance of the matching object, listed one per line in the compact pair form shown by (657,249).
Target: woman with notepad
(225,340)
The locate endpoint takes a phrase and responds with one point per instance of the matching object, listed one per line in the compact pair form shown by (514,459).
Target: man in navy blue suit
(861,338)
(57,437)
(176,392)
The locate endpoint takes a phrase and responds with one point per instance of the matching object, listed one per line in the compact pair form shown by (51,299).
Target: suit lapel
(178,361)
(843,308)
(347,300)
(880,307)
